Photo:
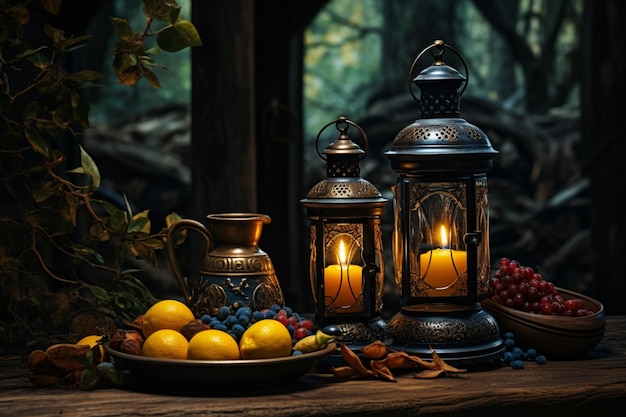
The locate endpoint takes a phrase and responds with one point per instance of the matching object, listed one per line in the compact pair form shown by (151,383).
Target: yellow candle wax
(342,283)
(438,269)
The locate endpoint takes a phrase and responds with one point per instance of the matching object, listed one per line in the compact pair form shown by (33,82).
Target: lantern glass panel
(343,268)
(436,227)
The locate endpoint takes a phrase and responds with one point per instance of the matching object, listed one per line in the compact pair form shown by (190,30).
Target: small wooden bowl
(556,337)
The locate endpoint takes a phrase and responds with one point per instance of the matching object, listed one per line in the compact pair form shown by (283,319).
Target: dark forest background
(234,130)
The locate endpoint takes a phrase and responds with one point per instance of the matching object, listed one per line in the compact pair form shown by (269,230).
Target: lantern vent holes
(338,169)
(440,104)
(472,133)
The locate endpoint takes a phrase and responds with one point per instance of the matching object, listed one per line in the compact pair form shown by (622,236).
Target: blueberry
(275,308)
(229,321)
(243,320)
(223,312)
(206,319)
(296,353)
(509,343)
(219,326)
(541,360)
(269,314)
(518,353)
(238,330)
(508,358)
(244,311)
(517,364)
(258,315)
(531,354)
(288,310)
(509,335)
(291,329)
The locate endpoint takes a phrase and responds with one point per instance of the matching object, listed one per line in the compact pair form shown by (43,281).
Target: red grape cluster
(521,288)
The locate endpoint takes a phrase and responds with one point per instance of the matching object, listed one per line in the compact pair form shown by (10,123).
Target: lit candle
(440,268)
(343,282)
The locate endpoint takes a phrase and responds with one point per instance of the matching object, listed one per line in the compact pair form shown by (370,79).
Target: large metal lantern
(440,240)
(346,262)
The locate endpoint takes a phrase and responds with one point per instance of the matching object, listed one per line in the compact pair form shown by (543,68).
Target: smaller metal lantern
(346,263)
(441,224)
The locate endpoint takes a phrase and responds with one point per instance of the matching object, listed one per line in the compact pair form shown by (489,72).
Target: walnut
(193,327)
(127,341)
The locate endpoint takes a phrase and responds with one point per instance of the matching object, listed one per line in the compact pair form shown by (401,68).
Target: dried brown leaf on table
(343,371)
(381,370)
(400,360)
(375,350)
(429,373)
(69,357)
(444,366)
(354,361)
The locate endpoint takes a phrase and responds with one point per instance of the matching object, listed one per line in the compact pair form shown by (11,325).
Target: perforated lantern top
(343,187)
(440,141)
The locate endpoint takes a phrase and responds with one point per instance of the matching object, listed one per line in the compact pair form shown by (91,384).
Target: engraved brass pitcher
(234,269)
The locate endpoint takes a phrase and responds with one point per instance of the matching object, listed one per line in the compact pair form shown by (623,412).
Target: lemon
(166,314)
(92,340)
(213,344)
(267,338)
(165,344)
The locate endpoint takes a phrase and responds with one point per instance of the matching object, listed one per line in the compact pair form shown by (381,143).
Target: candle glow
(442,267)
(342,282)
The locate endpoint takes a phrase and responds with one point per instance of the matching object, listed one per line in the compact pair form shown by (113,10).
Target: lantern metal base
(460,334)
(358,334)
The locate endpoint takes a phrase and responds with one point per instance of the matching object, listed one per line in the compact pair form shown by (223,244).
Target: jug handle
(172,233)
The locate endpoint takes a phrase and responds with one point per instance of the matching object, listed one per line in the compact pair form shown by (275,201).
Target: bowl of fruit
(556,322)
(232,348)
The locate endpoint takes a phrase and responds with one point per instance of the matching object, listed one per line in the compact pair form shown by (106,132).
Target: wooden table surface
(592,386)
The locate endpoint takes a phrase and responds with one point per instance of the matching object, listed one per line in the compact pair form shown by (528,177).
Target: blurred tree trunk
(223,148)
(603,95)
(246,129)
(538,67)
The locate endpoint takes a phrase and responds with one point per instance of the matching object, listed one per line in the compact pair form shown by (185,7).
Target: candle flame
(342,253)
(444,237)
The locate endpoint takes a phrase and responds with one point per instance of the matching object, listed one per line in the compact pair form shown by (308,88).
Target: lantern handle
(343,130)
(438,55)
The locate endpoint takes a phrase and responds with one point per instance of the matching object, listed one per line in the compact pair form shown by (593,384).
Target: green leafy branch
(43,201)
(131,59)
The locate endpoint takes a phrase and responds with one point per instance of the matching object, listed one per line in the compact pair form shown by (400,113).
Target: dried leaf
(69,357)
(354,361)
(381,370)
(39,363)
(444,366)
(375,350)
(401,360)
(343,371)
(429,373)
(425,364)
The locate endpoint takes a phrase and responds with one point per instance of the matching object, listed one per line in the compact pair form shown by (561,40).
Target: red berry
(301,332)
(306,323)
(282,318)
(519,300)
(546,308)
(293,321)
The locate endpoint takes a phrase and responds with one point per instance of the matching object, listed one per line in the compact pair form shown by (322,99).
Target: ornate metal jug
(234,269)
